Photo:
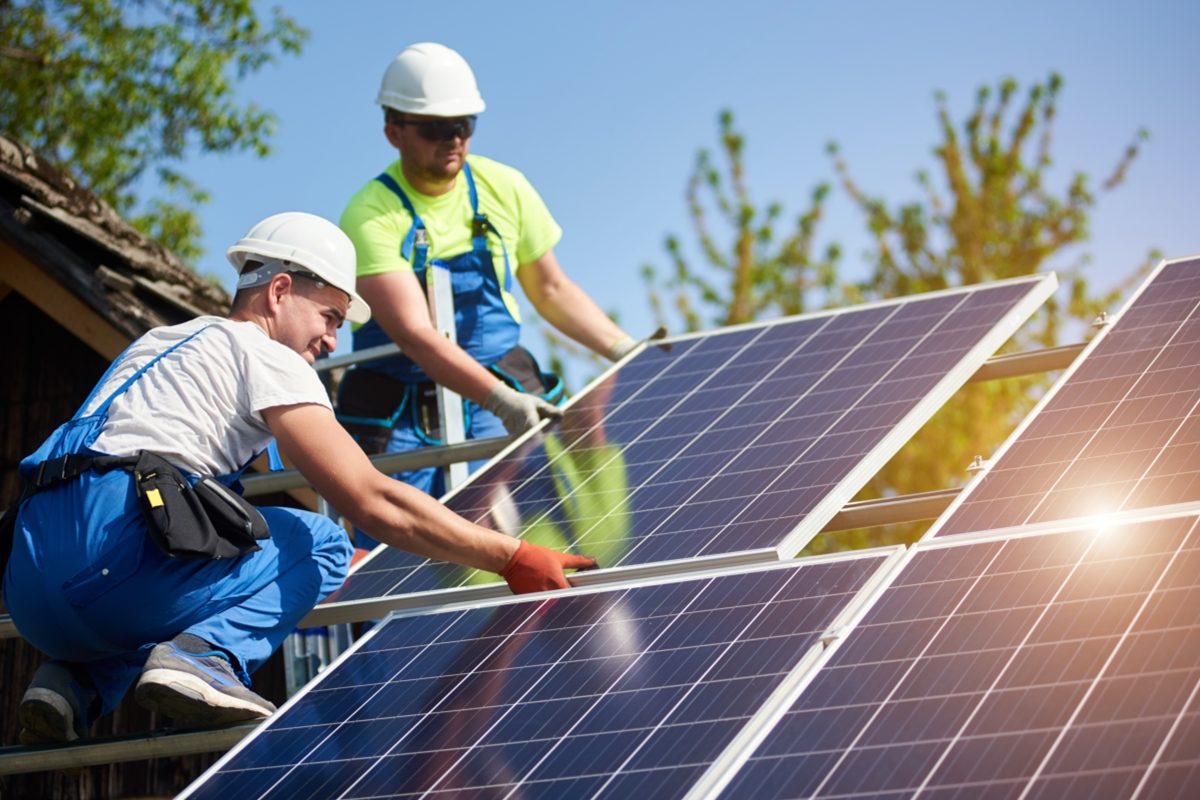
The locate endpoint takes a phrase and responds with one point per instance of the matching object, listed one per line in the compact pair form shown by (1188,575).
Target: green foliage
(759,270)
(992,215)
(116,89)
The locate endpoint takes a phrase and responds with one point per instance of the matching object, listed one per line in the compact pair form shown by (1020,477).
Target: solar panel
(1058,664)
(1119,431)
(747,439)
(630,691)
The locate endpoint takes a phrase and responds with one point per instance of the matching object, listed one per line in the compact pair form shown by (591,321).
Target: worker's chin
(450,165)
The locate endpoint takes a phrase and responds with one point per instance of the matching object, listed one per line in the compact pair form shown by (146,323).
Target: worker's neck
(248,313)
(425,183)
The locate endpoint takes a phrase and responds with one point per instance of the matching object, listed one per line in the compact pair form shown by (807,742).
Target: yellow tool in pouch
(205,521)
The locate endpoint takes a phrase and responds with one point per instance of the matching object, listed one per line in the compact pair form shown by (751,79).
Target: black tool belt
(371,404)
(50,473)
(204,521)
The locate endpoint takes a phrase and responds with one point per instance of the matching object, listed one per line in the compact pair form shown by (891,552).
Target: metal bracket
(830,636)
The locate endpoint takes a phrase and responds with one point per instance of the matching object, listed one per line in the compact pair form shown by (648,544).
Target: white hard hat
(308,241)
(429,78)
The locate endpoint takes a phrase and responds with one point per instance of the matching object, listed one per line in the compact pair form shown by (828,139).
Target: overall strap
(480,226)
(103,379)
(120,390)
(68,467)
(418,237)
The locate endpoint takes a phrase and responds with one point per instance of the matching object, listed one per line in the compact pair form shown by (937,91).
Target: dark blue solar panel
(625,693)
(727,442)
(1056,665)
(1120,432)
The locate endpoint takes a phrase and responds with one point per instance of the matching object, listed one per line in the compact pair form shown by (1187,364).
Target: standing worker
(482,222)
(133,555)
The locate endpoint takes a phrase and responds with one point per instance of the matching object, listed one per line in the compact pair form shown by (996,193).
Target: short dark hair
(391,116)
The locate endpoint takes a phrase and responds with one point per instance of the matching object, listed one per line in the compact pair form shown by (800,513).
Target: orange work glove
(534,568)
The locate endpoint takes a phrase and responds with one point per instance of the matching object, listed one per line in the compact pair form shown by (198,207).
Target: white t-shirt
(201,405)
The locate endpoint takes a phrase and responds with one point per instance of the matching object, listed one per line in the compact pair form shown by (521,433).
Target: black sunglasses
(441,130)
(312,276)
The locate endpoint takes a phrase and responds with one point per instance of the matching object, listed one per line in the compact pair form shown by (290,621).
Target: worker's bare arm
(390,511)
(567,307)
(399,305)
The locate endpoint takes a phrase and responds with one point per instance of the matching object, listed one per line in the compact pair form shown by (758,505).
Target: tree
(757,274)
(991,215)
(118,90)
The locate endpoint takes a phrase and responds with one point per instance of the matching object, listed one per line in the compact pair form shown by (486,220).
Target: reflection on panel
(726,442)
(1062,665)
(1121,432)
(625,693)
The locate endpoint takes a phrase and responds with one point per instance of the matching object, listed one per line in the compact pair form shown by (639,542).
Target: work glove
(517,410)
(534,568)
(623,346)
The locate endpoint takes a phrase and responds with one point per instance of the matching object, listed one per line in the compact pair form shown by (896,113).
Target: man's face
(434,152)
(310,314)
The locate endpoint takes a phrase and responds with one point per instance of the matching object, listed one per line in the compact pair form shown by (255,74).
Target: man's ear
(392,132)
(279,286)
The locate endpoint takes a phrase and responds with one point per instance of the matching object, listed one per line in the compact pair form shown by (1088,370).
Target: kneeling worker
(117,576)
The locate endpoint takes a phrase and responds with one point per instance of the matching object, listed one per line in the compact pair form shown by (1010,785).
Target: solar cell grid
(613,694)
(725,442)
(1121,431)
(1055,665)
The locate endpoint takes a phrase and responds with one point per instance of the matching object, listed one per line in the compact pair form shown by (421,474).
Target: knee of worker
(308,536)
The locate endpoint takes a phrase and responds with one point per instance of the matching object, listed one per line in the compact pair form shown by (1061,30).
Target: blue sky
(604,105)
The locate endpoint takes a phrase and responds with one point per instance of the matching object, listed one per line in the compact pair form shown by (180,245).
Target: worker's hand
(534,568)
(517,410)
(621,348)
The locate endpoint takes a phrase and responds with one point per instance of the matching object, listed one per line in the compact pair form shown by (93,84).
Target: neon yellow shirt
(377,222)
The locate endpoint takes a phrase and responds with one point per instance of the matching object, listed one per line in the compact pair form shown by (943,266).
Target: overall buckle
(58,470)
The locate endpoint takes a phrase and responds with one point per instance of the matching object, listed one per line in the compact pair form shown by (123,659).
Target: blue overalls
(86,584)
(484,326)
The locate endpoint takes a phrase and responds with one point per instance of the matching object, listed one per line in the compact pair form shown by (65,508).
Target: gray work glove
(621,348)
(625,345)
(518,411)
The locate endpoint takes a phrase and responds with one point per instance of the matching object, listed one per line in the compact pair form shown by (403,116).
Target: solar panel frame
(948,517)
(1189,513)
(1040,287)
(757,724)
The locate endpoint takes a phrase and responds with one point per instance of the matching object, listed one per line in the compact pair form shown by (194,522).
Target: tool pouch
(369,403)
(205,521)
(520,371)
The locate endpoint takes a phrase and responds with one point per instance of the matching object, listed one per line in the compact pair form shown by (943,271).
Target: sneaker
(196,688)
(53,709)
